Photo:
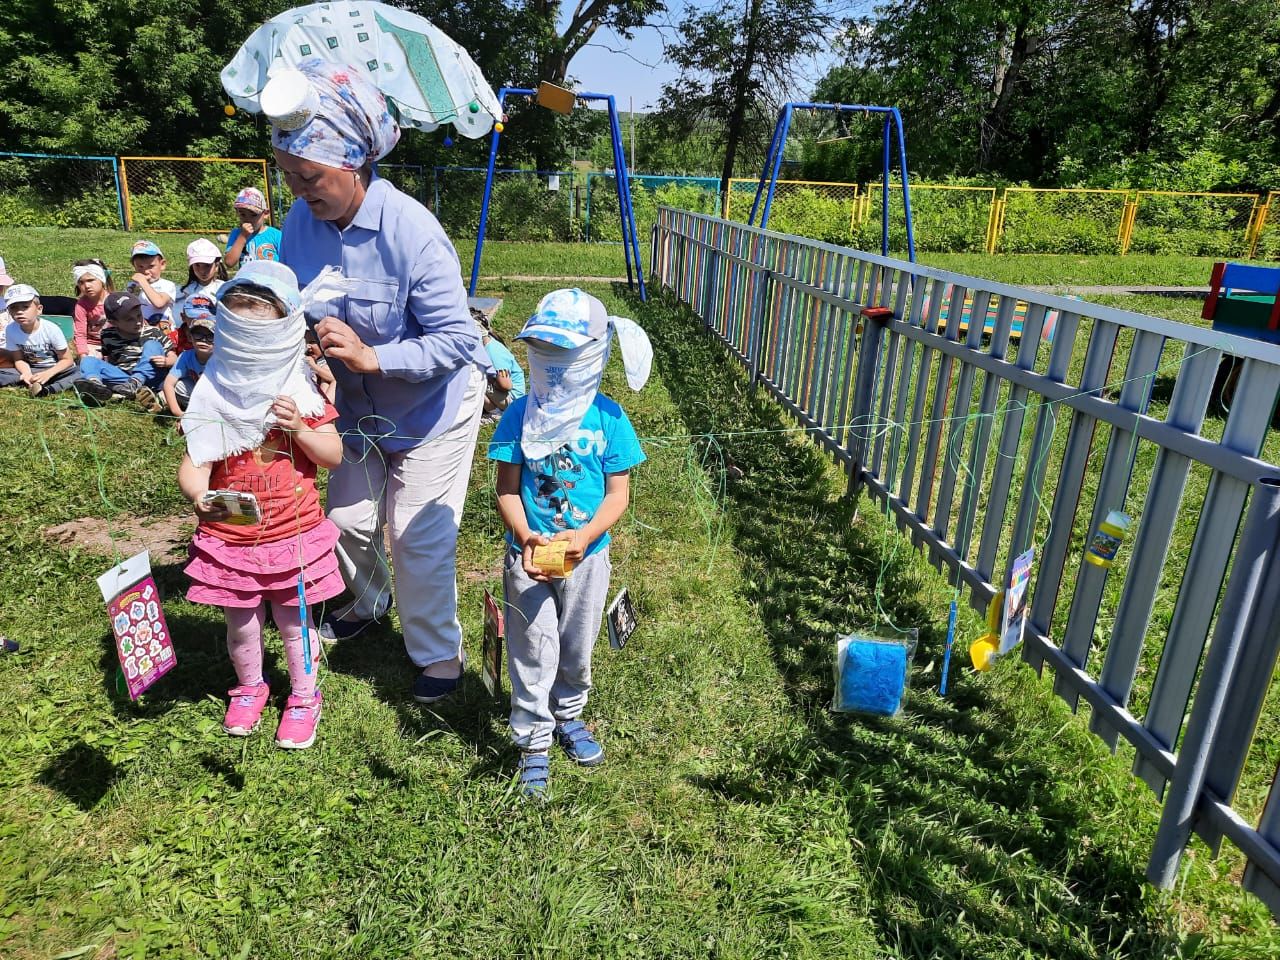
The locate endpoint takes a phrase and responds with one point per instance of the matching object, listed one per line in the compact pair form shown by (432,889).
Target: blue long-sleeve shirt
(405,300)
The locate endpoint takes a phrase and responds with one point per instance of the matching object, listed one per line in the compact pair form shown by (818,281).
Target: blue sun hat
(271,275)
(568,318)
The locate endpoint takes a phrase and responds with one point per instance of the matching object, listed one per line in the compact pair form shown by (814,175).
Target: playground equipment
(892,125)
(1244,300)
(562,101)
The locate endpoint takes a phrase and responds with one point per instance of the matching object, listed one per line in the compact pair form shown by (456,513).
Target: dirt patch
(483,572)
(165,537)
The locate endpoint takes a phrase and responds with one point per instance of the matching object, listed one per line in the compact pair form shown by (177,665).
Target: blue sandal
(577,741)
(535,776)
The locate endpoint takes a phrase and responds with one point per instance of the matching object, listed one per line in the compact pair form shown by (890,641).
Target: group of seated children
(149,343)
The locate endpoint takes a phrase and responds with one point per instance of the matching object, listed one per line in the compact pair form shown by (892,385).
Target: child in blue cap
(564,455)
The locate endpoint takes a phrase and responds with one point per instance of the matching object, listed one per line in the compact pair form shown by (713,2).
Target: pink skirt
(243,575)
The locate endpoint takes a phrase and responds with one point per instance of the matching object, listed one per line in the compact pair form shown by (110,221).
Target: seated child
(206,273)
(256,424)
(507,384)
(157,295)
(132,351)
(318,364)
(9,376)
(564,454)
(93,284)
(185,374)
(37,347)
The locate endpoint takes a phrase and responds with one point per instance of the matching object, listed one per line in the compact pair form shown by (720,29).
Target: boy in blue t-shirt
(198,321)
(506,385)
(564,454)
(255,238)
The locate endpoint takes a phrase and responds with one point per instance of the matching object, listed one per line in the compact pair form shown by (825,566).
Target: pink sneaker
(245,709)
(297,729)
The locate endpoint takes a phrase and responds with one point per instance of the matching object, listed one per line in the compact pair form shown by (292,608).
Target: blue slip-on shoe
(430,689)
(534,772)
(578,743)
(333,628)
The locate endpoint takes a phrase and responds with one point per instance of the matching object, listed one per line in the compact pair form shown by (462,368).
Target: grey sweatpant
(551,630)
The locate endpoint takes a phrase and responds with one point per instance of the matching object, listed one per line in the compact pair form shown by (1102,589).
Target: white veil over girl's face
(254,361)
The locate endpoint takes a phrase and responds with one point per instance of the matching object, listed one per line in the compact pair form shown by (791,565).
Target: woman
(406,354)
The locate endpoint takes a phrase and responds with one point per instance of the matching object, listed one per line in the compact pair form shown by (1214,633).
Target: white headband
(89,270)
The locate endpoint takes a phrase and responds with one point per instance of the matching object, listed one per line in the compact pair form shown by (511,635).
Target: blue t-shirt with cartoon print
(563,491)
(263,245)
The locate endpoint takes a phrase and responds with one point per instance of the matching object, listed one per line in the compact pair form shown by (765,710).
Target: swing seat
(1243,300)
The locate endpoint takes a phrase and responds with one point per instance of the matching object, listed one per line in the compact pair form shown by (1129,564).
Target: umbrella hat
(427,78)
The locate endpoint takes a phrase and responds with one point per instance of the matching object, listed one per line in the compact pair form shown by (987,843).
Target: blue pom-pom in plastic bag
(871,673)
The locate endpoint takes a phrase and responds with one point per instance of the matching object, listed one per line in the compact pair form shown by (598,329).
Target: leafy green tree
(736,67)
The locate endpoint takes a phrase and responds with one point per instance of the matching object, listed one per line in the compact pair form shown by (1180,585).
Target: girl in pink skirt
(257,424)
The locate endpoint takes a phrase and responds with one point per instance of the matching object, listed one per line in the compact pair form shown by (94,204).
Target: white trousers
(419,494)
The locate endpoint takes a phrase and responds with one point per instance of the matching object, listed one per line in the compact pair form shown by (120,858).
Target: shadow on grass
(965,833)
(470,714)
(81,773)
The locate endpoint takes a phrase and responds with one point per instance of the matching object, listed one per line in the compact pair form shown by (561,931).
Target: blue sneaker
(534,771)
(577,741)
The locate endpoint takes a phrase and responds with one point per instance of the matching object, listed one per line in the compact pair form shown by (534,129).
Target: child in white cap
(37,347)
(564,455)
(206,273)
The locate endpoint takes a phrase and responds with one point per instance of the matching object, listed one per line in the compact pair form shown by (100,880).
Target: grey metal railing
(988,418)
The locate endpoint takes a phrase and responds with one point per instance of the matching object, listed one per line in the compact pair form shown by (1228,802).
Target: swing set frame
(892,130)
(630,242)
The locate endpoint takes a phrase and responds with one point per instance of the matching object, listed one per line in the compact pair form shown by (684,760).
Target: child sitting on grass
(564,453)
(257,424)
(206,273)
(93,284)
(9,376)
(37,347)
(132,351)
(156,294)
(197,323)
(507,382)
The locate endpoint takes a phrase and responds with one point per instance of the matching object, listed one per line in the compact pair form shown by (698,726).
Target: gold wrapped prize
(549,558)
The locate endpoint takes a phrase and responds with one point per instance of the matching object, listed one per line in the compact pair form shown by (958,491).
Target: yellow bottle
(1107,539)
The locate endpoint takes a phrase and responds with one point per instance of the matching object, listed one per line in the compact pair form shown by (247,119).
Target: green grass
(43,256)
(736,817)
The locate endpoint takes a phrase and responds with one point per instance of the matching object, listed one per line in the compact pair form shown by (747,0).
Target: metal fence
(182,194)
(195,193)
(601,221)
(60,190)
(985,439)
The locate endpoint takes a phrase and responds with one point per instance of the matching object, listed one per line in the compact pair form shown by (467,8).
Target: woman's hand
(533,571)
(340,342)
(287,415)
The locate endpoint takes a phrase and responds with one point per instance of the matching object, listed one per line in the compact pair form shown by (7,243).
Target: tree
(1100,92)
(735,68)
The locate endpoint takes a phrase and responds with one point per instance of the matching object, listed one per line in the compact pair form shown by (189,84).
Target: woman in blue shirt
(407,357)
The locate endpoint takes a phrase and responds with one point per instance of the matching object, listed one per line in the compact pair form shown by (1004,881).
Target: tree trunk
(1004,81)
(741,87)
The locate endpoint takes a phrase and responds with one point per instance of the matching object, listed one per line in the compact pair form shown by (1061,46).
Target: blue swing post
(630,242)
(892,122)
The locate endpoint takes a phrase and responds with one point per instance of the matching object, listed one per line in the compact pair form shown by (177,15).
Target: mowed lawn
(736,817)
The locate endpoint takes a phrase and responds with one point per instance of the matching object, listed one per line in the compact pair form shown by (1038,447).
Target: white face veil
(254,361)
(569,340)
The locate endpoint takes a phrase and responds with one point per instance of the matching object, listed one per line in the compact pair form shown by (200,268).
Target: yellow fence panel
(1061,221)
(807,208)
(1265,243)
(1194,224)
(946,218)
(185,194)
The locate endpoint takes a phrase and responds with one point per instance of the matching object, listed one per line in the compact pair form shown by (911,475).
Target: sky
(637,68)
